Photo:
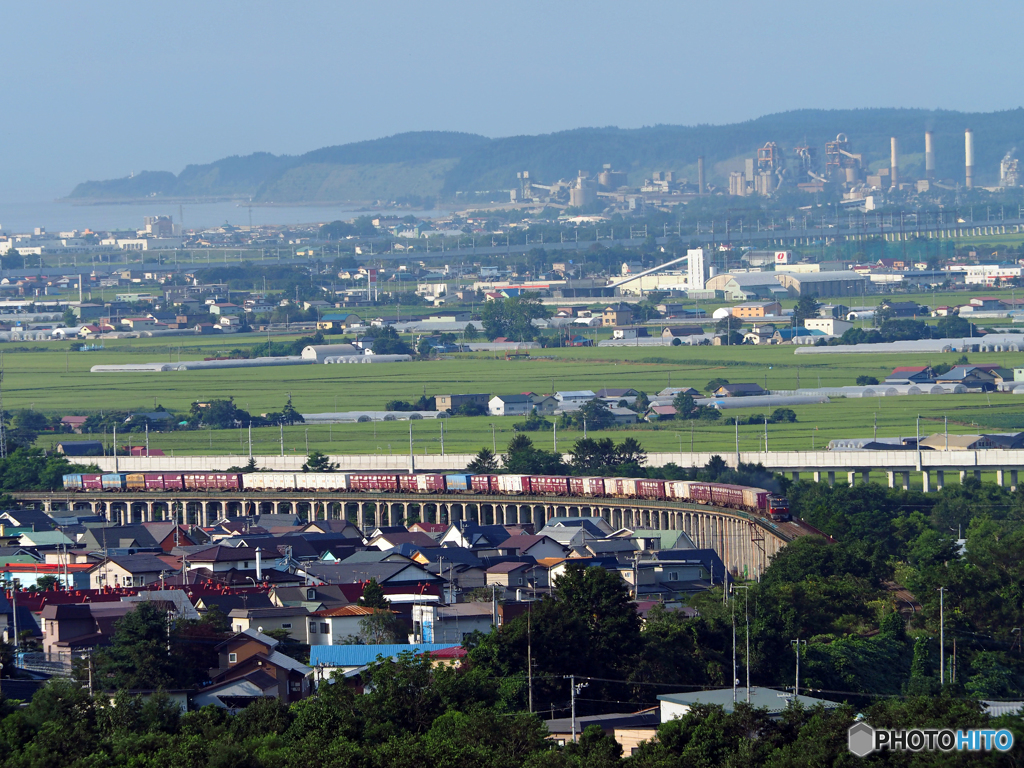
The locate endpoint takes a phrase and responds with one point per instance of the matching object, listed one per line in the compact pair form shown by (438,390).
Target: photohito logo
(862,740)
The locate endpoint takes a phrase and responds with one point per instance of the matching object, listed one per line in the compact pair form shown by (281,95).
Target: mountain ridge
(442,163)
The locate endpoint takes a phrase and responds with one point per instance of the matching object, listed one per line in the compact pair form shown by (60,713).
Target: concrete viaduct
(935,467)
(744,542)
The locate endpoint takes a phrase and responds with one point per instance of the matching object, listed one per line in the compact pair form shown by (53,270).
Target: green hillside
(431,163)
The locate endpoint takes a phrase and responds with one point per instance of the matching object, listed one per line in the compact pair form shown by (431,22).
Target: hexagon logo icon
(861,739)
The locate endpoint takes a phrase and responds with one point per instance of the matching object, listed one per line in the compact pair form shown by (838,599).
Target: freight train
(755,500)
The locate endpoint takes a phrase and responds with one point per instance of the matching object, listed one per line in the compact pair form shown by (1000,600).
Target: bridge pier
(940,479)
(926,483)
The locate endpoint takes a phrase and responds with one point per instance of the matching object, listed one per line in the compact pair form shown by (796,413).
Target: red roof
(455,652)
(910,369)
(344,611)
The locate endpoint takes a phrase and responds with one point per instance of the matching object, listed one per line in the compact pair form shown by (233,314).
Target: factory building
(823,284)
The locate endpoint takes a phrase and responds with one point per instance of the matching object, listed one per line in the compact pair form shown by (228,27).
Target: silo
(969,156)
(929,155)
(894,163)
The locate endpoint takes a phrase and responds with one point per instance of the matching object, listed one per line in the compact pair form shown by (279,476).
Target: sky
(99,90)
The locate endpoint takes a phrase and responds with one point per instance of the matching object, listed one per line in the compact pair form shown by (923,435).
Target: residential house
(481,539)
(67,627)
(623,416)
(139,323)
(130,571)
(510,405)
(226,308)
(337,321)
(452,403)
(760,333)
(659,412)
(290,618)
(629,729)
(904,309)
(681,332)
(74,423)
(911,374)
(739,390)
(790,335)
(1001,375)
(575,397)
(251,668)
(535,546)
(435,623)
(81,448)
(757,309)
(970,376)
(389,540)
(544,405)
(408,575)
(617,315)
(337,625)
(514,578)
(618,393)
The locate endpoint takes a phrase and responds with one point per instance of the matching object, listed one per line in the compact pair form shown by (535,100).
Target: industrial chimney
(894,163)
(969,155)
(929,155)
(700,175)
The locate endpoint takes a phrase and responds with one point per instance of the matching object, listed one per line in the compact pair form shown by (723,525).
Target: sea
(63,215)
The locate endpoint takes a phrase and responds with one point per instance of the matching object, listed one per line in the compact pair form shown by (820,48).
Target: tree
(590,456)
(715,384)
(684,405)
(524,458)
(485,463)
(319,462)
(291,416)
(866,381)
(381,627)
(805,308)
(386,341)
(780,415)
(642,403)
(471,333)
(512,317)
(373,596)
(629,451)
(595,413)
(138,655)
(45,582)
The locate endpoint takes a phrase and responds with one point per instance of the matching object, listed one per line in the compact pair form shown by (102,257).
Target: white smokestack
(929,155)
(969,155)
(894,162)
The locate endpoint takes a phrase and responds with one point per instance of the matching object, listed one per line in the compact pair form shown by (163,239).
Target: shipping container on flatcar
(513,484)
(613,487)
(430,483)
(700,492)
(457,482)
(169,481)
(407,483)
(92,482)
(213,481)
(576,486)
(590,486)
(756,499)
(366,481)
(650,489)
(679,490)
(484,483)
(73,482)
(321,481)
(549,485)
(268,481)
(114,481)
(725,495)
(135,481)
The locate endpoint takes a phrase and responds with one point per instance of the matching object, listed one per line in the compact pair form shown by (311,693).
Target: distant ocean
(57,216)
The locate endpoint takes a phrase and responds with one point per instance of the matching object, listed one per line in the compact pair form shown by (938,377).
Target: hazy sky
(100,89)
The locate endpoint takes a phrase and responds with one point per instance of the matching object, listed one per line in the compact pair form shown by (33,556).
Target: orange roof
(345,610)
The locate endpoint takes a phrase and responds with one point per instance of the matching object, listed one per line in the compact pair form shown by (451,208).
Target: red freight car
(373,482)
(724,495)
(650,489)
(484,483)
(164,481)
(407,483)
(212,481)
(700,492)
(92,483)
(548,485)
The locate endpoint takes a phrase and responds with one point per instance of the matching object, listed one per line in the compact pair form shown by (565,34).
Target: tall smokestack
(929,155)
(700,175)
(894,163)
(969,156)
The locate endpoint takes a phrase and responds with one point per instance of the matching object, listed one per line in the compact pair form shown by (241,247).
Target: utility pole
(734,678)
(281,426)
(746,614)
(797,643)
(942,636)
(250,439)
(575,689)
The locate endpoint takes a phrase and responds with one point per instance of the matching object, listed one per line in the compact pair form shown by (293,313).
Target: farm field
(59,383)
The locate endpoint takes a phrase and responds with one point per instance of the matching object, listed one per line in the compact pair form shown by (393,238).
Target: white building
(829,325)
(510,405)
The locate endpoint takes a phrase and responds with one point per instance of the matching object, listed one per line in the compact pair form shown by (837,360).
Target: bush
(866,381)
